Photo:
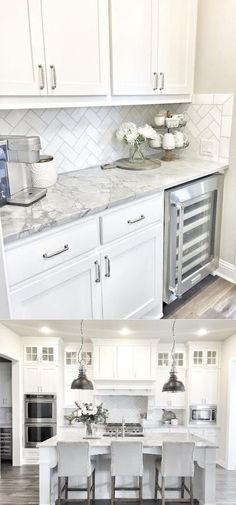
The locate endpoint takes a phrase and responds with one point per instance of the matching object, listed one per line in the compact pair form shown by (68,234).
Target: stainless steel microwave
(203,414)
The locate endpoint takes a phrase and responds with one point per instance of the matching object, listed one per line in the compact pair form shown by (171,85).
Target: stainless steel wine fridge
(192,234)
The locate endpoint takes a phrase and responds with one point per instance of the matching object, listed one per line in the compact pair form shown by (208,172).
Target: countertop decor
(93,190)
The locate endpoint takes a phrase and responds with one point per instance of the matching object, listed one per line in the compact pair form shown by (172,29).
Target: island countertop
(93,190)
(149,441)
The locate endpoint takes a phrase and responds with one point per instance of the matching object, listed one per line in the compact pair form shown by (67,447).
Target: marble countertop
(89,191)
(151,441)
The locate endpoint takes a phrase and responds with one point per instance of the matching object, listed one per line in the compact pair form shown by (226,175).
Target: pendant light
(173,385)
(82,381)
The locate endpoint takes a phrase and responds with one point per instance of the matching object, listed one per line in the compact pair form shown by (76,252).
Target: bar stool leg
(59,490)
(140,490)
(182,487)
(93,484)
(88,489)
(113,483)
(191,491)
(156,484)
(66,488)
(163,501)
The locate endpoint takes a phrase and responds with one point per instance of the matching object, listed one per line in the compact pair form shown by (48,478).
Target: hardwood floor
(213,298)
(19,486)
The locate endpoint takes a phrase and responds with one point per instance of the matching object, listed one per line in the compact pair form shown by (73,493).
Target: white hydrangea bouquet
(135,137)
(89,414)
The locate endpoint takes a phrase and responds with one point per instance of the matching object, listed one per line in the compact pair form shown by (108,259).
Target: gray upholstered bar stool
(177,461)
(126,461)
(74,461)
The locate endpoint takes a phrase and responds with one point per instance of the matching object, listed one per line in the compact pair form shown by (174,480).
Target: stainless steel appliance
(4,181)
(40,408)
(130,430)
(36,433)
(21,151)
(40,418)
(191,234)
(203,414)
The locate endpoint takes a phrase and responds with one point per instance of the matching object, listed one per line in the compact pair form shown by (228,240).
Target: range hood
(124,388)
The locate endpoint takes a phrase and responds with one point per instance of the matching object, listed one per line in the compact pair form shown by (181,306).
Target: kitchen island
(204,456)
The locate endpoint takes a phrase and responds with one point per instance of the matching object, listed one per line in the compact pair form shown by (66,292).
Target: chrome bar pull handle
(53,77)
(97,271)
(41,77)
(108,266)
(162,80)
(155,81)
(133,221)
(65,248)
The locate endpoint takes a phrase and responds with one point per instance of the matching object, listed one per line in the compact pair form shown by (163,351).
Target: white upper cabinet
(22,51)
(176,46)
(76,37)
(5,385)
(133,46)
(153,46)
(41,354)
(203,387)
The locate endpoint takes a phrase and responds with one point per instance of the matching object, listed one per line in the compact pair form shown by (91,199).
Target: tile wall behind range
(84,137)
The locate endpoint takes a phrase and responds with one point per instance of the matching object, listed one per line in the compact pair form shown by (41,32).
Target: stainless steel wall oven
(40,418)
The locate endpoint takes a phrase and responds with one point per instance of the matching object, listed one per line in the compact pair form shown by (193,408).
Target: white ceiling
(69,331)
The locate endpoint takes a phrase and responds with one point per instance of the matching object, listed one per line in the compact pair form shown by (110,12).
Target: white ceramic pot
(44,173)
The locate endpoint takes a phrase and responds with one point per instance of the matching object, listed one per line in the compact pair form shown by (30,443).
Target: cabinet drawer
(130,218)
(48,250)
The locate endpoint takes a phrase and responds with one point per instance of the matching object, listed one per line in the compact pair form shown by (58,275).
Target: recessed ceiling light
(202,332)
(45,330)
(124,331)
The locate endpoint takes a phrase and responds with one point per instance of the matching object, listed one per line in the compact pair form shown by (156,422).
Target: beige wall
(216,73)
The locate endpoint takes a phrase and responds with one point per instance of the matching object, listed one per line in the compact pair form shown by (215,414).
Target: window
(48,354)
(163,359)
(71,358)
(198,357)
(211,357)
(31,353)
(179,357)
(87,358)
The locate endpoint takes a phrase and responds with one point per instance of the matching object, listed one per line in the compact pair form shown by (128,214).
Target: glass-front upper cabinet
(40,354)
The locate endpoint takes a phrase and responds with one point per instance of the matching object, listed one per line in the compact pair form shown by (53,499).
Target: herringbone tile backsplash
(84,137)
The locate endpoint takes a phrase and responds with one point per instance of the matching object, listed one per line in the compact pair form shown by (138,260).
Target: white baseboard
(227,271)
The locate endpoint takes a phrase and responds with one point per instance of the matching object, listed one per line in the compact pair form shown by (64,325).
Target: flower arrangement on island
(135,136)
(88,414)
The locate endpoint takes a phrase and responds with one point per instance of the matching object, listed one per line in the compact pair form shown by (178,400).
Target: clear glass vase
(89,429)
(136,154)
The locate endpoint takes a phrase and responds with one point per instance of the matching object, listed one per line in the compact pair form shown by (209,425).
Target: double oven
(40,418)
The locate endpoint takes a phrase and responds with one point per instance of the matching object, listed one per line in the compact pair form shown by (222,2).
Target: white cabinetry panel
(76,46)
(21,41)
(176,45)
(5,385)
(203,387)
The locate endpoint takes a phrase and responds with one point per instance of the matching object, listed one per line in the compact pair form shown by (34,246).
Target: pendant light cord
(173,365)
(81,361)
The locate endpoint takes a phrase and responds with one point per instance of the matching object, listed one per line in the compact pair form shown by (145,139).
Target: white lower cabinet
(40,379)
(132,280)
(79,277)
(69,291)
(210,434)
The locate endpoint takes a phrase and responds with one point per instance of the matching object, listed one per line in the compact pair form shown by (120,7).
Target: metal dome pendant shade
(173,385)
(82,381)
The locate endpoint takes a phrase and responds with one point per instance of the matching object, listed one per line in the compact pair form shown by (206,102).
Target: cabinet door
(105,362)
(211,387)
(69,293)
(31,354)
(132,276)
(5,385)
(142,362)
(48,379)
(77,46)
(176,46)
(134,28)
(125,362)
(31,379)
(48,354)
(22,54)
(197,392)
